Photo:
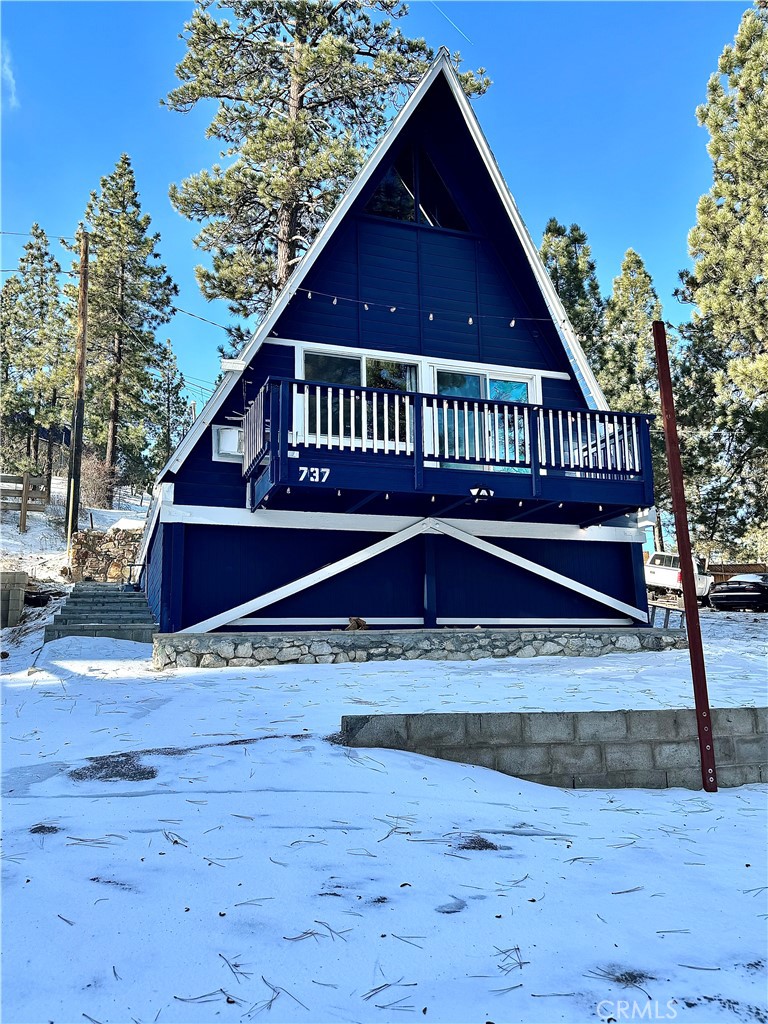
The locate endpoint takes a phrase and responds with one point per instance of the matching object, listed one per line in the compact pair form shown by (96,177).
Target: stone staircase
(103,609)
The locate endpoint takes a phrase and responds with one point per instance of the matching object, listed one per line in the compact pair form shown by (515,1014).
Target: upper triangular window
(411,190)
(395,196)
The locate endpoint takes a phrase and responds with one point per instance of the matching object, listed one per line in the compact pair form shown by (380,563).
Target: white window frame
(426,372)
(219,456)
(426,366)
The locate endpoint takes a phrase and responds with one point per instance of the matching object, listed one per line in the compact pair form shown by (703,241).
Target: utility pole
(78,414)
(695,649)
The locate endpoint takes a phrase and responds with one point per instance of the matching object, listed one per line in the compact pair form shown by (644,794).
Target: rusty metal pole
(695,649)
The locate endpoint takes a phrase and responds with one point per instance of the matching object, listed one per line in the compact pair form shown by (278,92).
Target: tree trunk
(49,452)
(658,534)
(114,400)
(289,211)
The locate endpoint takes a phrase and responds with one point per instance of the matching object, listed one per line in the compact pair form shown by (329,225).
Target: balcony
(320,447)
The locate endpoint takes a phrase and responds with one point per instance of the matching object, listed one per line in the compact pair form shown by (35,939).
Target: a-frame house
(413,434)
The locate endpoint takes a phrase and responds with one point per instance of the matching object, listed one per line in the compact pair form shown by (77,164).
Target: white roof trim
(441,64)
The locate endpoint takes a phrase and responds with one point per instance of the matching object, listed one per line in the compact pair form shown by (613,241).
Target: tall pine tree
(303,88)
(628,373)
(35,359)
(171,416)
(729,285)
(129,297)
(568,259)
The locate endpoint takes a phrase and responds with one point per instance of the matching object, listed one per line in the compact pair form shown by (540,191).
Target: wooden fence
(23,493)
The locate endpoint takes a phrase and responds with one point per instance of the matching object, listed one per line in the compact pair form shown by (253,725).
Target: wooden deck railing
(448,431)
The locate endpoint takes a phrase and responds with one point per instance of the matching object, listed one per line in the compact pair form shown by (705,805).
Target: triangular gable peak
(404,141)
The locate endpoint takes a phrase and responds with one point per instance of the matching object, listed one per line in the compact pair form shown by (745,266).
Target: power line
(67,273)
(178,309)
(28,234)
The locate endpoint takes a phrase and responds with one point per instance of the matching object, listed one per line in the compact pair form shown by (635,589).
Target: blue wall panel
(563,394)
(153,575)
(471,582)
(201,481)
(225,567)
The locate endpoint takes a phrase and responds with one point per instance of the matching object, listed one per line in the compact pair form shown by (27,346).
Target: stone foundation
(580,749)
(221,650)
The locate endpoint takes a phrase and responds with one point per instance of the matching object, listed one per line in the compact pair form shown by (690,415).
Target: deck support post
(430,581)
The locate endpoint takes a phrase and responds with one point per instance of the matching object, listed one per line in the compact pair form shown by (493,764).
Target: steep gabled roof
(440,66)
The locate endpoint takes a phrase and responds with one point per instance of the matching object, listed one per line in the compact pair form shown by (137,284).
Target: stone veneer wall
(104,557)
(580,749)
(214,650)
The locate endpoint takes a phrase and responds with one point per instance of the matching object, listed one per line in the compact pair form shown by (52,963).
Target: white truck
(664,576)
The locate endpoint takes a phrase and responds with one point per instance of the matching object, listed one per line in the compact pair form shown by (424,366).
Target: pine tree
(722,497)
(628,376)
(729,243)
(129,297)
(729,285)
(171,416)
(35,358)
(303,88)
(568,259)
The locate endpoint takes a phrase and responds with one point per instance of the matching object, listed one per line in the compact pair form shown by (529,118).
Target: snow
(125,523)
(42,550)
(191,847)
(217,858)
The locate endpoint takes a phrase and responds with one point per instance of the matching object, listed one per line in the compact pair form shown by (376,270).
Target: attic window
(413,190)
(394,198)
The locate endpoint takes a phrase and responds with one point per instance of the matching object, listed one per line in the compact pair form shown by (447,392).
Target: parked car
(663,575)
(747,591)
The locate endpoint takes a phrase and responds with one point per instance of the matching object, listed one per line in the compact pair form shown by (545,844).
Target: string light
(448,314)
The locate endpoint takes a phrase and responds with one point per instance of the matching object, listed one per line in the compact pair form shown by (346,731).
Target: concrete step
(112,606)
(103,610)
(71,615)
(140,634)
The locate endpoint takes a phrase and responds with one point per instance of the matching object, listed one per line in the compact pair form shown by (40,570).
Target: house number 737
(314,474)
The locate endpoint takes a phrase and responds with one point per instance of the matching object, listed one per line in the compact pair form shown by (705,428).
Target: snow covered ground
(42,550)
(189,847)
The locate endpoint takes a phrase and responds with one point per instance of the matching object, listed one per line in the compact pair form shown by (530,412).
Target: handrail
(444,429)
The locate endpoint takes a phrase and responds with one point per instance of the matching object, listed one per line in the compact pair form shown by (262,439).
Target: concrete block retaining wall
(213,650)
(12,587)
(580,750)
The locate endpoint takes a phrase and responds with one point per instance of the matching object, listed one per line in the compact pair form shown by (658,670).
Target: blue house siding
(223,568)
(249,562)
(201,481)
(561,394)
(153,573)
(420,271)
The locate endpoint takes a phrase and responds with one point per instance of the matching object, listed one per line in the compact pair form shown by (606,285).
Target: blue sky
(591,118)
